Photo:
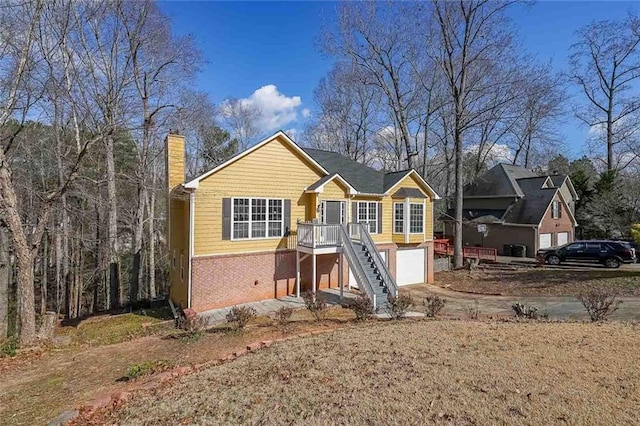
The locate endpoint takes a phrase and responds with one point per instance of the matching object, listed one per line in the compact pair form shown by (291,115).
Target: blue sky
(249,45)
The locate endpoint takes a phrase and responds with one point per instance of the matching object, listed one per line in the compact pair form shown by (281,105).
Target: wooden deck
(444,248)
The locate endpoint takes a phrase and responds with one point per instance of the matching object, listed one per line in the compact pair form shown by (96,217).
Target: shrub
(362,306)
(316,304)
(240,316)
(599,304)
(433,305)
(473,311)
(398,306)
(9,347)
(192,323)
(523,311)
(283,315)
(145,368)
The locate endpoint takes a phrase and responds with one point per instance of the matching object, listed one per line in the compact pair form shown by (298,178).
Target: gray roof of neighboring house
(363,178)
(500,181)
(531,198)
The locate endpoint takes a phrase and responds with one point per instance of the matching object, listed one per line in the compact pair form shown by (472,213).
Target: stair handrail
(365,238)
(356,266)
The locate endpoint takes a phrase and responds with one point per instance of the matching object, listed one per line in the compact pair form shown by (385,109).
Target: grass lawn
(414,372)
(542,281)
(38,385)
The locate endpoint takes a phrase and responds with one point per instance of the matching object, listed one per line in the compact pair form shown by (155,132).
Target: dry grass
(415,372)
(542,281)
(36,387)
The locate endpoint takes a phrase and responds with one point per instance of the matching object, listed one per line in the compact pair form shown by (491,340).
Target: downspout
(192,207)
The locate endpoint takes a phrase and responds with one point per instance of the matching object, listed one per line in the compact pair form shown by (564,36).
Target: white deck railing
(315,235)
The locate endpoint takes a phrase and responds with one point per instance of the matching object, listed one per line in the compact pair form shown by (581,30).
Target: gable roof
(499,181)
(364,179)
(408,193)
(356,176)
(318,185)
(193,183)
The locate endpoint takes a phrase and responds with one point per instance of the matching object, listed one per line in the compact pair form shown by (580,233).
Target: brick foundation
(227,280)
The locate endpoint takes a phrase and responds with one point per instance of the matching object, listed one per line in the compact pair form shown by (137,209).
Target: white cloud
(497,153)
(306,112)
(277,110)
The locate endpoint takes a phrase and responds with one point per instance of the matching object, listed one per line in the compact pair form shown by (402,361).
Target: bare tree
(242,119)
(539,111)
(348,117)
(371,37)
(475,41)
(5,276)
(604,64)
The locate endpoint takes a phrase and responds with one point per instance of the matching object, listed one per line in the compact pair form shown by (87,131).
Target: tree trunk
(134,289)
(112,228)
(5,277)
(459,197)
(59,280)
(44,277)
(152,239)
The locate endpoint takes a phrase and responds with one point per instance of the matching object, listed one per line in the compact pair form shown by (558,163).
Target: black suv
(611,254)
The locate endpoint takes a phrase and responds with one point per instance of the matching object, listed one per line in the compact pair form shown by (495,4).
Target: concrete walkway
(269,306)
(557,307)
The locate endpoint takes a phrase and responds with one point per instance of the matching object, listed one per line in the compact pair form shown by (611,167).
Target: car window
(575,246)
(593,246)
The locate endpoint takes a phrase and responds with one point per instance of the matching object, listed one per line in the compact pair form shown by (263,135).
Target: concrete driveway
(557,307)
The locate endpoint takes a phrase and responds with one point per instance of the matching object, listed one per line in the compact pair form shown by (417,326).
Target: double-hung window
(398,218)
(368,213)
(257,218)
(416,218)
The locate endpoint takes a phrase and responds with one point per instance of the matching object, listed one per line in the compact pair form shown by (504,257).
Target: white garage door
(410,266)
(545,241)
(563,238)
(352,278)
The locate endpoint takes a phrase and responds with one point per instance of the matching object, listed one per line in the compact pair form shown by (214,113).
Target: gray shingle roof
(500,181)
(321,181)
(363,178)
(505,180)
(408,193)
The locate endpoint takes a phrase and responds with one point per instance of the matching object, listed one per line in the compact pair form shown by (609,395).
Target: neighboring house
(512,205)
(278,219)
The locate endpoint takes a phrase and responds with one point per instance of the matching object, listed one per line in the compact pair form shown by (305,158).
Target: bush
(524,311)
(145,368)
(240,316)
(362,306)
(283,315)
(473,311)
(192,323)
(315,304)
(398,306)
(600,304)
(9,347)
(433,305)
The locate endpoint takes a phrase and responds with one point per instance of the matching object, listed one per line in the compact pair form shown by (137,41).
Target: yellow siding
(179,247)
(273,170)
(175,160)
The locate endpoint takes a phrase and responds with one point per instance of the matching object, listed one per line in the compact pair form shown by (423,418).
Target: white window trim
(266,237)
(423,209)
(358,214)
(554,214)
(394,218)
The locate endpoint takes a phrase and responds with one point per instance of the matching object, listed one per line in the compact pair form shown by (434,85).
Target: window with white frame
(398,218)
(416,218)
(257,218)
(368,213)
(555,210)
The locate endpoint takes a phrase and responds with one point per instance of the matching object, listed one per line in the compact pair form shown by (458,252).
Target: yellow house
(278,219)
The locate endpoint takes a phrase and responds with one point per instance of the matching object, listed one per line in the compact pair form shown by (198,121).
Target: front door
(333,212)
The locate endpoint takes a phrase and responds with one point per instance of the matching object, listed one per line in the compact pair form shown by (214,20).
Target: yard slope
(415,372)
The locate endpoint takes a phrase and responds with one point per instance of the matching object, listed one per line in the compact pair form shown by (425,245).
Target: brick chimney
(174,144)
